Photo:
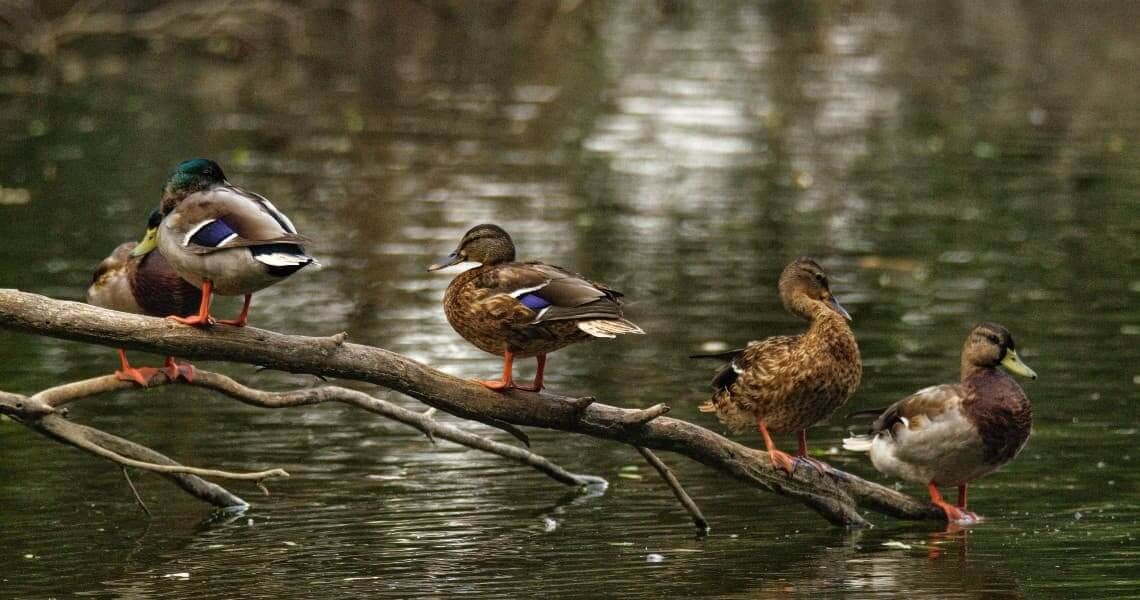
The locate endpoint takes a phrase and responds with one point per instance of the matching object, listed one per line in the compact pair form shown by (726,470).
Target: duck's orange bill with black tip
(451,259)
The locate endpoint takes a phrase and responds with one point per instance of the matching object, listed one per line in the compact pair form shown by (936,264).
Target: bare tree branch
(835,495)
(678,491)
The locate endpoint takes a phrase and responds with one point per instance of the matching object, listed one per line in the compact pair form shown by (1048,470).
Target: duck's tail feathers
(867,412)
(726,355)
(608,328)
(707,407)
(282,260)
(858,443)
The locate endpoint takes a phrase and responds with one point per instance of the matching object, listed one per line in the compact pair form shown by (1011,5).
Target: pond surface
(947,164)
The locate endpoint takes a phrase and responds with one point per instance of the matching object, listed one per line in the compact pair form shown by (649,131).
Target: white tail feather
(282,259)
(608,328)
(858,443)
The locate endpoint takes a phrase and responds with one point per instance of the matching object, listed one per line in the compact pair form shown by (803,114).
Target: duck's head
(190,176)
(487,244)
(150,238)
(804,289)
(990,345)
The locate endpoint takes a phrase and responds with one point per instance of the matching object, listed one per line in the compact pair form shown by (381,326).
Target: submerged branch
(835,495)
(678,491)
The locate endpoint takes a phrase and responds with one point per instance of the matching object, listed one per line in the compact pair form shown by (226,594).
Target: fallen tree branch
(678,491)
(835,495)
(45,420)
(33,410)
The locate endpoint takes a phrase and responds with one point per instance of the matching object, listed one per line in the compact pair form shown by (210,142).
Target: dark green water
(947,163)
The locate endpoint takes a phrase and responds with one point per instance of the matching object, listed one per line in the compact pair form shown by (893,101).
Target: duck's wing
(228,217)
(914,413)
(918,409)
(760,358)
(554,294)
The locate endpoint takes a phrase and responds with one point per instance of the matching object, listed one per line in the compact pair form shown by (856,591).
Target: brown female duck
(789,383)
(524,309)
(953,434)
(145,285)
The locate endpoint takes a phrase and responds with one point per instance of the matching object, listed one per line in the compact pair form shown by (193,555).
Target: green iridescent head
(190,176)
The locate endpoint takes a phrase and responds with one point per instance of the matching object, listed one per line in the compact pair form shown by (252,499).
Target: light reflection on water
(681,158)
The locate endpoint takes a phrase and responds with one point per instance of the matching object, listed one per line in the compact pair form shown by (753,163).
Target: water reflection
(946,164)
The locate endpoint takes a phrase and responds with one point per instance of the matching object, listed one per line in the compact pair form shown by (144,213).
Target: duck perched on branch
(953,434)
(791,382)
(145,285)
(222,238)
(524,309)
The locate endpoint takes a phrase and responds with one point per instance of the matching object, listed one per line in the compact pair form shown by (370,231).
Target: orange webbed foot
(957,516)
(782,460)
(815,463)
(194,320)
(234,322)
(529,388)
(174,370)
(497,385)
(140,376)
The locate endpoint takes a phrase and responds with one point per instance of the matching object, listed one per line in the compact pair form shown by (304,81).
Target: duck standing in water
(524,309)
(144,285)
(222,238)
(791,382)
(953,434)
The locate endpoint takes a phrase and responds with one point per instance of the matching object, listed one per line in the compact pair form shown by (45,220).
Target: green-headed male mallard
(791,382)
(523,309)
(222,238)
(952,434)
(144,285)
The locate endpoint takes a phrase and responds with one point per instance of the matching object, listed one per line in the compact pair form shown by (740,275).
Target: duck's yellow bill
(1012,362)
(148,243)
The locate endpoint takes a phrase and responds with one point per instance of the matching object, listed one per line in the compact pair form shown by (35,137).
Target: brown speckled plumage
(493,321)
(524,309)
(483,304)
(141,284)
(791,382)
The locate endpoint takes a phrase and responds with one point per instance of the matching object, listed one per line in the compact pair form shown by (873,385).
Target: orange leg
(801,437)
(780,460)
(174,370)
(962,496)
(240,321)
(128,373)
(508,381)
(953,513)
(537,386)
(203,318)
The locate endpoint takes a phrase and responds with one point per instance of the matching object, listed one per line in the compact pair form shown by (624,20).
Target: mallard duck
(952,434)
(790,382)
(143,285)
(524,309)
(222,238)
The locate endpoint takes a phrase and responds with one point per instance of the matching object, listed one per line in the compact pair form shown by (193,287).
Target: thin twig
(138,498)
(678,491)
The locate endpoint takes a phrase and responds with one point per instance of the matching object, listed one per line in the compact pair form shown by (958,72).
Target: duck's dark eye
(993,339)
